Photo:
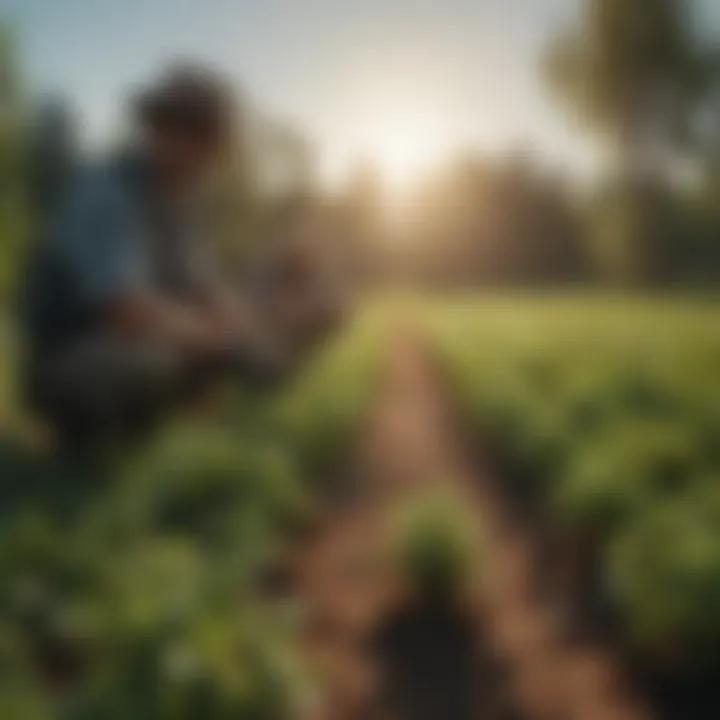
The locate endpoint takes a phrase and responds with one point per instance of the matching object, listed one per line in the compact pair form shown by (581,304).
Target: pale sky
(367,78)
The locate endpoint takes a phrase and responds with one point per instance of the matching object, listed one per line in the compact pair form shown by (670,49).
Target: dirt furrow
(522,664)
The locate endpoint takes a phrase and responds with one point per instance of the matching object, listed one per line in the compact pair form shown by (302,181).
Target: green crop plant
(435,546)
(664,569)
(131,589)
(614,474)
(610,408)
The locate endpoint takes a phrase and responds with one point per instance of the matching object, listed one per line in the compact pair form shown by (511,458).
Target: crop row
(606,417)
(134,589)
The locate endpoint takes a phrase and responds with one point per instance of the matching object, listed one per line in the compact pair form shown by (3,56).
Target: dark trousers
(109,388)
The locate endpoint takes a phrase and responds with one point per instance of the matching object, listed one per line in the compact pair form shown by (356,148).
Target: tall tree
(636,74)
(631,72)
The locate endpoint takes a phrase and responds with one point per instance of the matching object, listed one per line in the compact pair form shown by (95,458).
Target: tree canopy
(632,74)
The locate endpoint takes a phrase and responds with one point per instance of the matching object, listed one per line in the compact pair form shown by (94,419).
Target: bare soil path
(508,658)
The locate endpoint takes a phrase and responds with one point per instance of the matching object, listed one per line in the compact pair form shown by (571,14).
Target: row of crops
(137,588)
(606,413)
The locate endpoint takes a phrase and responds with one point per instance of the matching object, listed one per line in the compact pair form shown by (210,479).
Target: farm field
(134,588)
(360,360)
(187,580)
(604,416)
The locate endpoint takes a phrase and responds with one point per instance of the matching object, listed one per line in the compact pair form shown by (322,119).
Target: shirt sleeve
(97,240)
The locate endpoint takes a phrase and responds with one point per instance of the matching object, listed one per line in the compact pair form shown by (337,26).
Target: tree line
(644,85)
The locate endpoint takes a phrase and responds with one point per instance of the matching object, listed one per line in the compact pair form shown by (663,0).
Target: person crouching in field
(126,314)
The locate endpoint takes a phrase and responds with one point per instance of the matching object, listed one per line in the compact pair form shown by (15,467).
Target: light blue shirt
(110,237)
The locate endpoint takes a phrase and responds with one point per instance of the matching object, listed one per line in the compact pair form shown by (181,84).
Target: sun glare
(405,145)
(402,115)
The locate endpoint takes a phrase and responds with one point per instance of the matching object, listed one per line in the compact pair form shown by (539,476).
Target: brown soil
(505,656)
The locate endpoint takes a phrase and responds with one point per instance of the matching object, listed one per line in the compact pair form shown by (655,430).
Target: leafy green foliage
(640,80)
(322,409)
(13,221)
(613,475)
(607,410)
(133,590)
(436,546)
(628,71)
(665,570)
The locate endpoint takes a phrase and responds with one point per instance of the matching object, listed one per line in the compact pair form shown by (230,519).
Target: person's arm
(97,238)
(146,315)
(232,310)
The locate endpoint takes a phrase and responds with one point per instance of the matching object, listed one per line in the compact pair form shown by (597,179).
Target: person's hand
(308,319)
(259,361)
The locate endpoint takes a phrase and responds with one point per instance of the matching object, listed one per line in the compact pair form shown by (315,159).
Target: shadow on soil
(433,667)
